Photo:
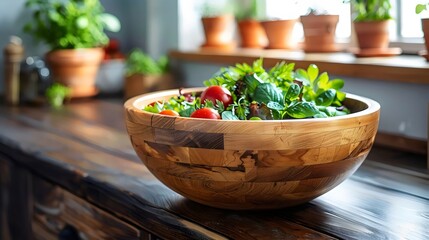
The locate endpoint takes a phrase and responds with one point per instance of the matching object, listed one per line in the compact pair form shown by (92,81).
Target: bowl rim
(132,105)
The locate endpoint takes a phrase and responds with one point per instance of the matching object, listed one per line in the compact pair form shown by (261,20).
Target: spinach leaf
(292,93)
(302,110)
(275,106)
(333,111)
(326,98)
(187,112)
(252,82)
(267,92)
(228,115)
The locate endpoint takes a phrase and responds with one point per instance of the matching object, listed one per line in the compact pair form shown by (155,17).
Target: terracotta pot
(252,34)
(319,32)
(76,68)
(279,33)
(137,84)
(425,28)
(372,34)
(217,30)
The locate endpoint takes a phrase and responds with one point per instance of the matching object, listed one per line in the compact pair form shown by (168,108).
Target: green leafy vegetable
(279,93)
(266,92)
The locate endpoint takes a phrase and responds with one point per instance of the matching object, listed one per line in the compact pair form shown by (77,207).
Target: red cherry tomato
(209,113)
(169,112)
(214,93)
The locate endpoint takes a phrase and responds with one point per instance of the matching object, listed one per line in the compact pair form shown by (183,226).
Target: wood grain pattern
(15,200)
(55,208)
(192,155)
(5,171)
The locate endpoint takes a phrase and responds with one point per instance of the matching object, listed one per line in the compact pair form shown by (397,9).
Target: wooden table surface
(85,149)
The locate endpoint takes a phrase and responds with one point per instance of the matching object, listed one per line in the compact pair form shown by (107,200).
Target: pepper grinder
(13,55)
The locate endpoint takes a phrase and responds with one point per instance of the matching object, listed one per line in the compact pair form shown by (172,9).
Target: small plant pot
(252,34)
(279,33)
(76,68)
(137,84)
(319,32)
(372,34)
(217,30)
(425,28)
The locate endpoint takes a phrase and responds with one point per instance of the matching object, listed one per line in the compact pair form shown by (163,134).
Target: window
(405,31)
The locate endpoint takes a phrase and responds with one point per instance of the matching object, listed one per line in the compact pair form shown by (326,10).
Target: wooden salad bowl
(251,164)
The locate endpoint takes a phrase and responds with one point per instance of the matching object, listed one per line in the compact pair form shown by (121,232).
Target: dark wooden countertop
(85,149)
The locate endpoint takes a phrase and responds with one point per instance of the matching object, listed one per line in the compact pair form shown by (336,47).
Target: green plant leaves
(371,10)
(292,93)
(266,92)
(228,115)
(326,98)
(139,62)
(82,22)
(70,24)
(420,8)
(312,72)
(302,110)
(110,22)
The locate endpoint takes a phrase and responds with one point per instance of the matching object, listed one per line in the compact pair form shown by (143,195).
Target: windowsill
(402,68)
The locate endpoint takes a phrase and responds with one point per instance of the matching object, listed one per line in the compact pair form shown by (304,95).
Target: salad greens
(280,93)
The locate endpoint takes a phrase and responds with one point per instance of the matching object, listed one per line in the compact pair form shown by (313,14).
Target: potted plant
(56,94)
(217,22)
(319,31)
(420,8)
(145,74)
(251,32)
(279,29)
(74,31)
(371,25)
(279,33)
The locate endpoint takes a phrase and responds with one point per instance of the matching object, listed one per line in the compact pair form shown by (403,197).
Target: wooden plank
(408,69)
(401,143)
(357,214)
(56,209)
(5,188)
(60,122)
(16,201)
